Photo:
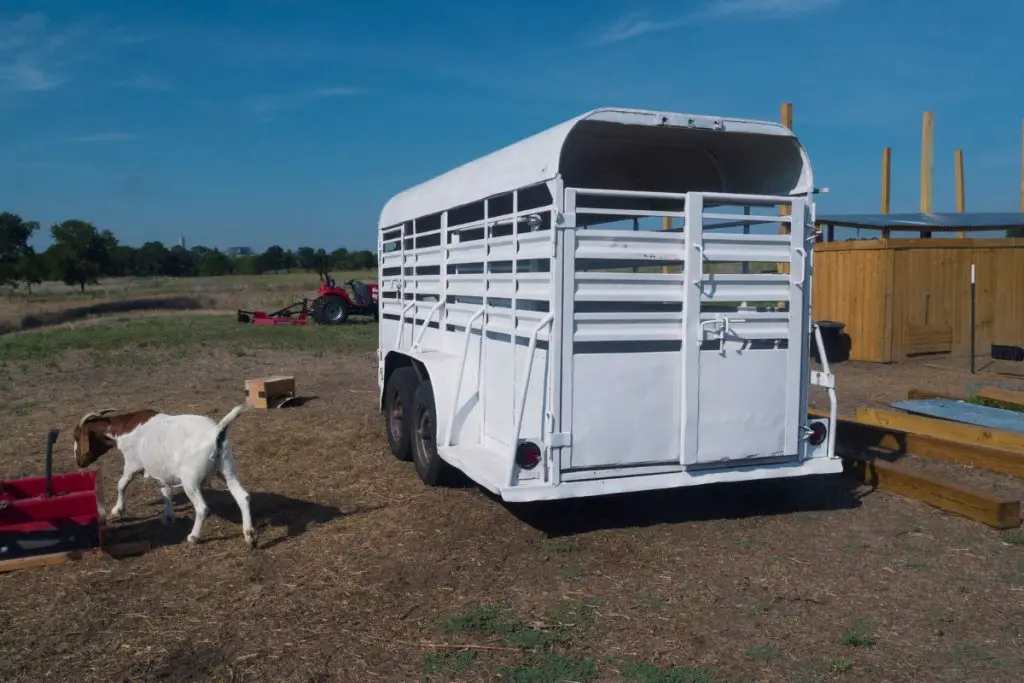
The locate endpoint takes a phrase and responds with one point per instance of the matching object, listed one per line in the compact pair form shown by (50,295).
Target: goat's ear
(98,442)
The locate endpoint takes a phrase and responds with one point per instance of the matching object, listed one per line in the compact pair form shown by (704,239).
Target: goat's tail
(225,422)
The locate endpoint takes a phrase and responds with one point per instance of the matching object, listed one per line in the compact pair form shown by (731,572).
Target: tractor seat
(360,294)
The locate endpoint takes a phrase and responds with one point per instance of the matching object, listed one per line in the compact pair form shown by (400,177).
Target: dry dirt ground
(363,574)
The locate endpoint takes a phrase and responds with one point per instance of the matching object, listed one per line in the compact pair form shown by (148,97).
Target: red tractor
(333,304)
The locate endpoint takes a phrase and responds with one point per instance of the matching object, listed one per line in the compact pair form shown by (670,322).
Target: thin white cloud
(36,55)
(266,107)
(25,76)
(632,25)
(106,137)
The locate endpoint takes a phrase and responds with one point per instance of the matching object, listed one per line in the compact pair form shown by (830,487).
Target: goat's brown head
(92,437)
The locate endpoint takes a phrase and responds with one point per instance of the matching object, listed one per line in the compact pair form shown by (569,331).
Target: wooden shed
(904,297)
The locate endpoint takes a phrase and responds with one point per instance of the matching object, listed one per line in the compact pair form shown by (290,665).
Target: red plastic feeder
(50,514)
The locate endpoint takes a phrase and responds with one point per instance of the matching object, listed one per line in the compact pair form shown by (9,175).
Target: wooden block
(33,561)
(928,339)
(990,509)
(998,460)
(942,429)
(1003,395)
(269,392)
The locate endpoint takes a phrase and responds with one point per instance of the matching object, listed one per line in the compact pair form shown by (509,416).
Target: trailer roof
(538,159)
(925,222)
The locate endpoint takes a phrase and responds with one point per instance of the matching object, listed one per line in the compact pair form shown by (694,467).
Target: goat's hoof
(250,540)
(192,539)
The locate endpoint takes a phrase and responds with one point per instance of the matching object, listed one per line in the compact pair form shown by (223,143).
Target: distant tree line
(81,254)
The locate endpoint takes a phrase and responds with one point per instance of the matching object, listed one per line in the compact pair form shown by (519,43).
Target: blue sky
(290,121)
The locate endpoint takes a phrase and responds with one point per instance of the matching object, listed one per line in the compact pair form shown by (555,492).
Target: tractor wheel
(429,465)
(398,399)
(330,310)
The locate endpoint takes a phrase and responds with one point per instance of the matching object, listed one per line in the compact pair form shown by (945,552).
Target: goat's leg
(122,486)
(167,517)
(241,496)
(199,505)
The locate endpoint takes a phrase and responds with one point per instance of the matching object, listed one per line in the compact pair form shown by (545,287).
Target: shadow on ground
(269,511)
(692,504)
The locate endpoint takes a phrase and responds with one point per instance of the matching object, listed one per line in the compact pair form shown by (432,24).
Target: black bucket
(836,343)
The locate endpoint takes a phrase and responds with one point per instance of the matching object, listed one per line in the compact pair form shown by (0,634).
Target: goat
(174,450)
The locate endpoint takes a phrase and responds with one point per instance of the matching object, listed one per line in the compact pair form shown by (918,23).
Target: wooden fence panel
(903,297)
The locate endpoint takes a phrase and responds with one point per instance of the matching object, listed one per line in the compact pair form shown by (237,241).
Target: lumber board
(992,510)
(1003,395)
(33,561)
(988,458)
(942,429)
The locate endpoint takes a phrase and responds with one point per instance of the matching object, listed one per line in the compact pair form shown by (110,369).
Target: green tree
(31,269)
(321,262)
(362,260)
(122,261)
(214,262)
(248,265)
(153,259)
(275,258)
(339,259)
(14,235)
(183,263)
(306,258)
(82,252)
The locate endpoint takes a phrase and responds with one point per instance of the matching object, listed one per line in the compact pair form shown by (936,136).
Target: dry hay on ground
(363,574)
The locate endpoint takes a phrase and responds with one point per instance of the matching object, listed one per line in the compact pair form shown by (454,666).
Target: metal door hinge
(560,439)
(823,379)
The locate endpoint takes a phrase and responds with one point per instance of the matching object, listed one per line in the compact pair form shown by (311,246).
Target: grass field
(364,574)
(53,302)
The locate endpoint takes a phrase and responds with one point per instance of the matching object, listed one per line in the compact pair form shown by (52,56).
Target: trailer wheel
(429,465)
(398,402)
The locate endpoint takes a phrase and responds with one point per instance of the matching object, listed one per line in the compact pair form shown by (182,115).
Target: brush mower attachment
(293,314)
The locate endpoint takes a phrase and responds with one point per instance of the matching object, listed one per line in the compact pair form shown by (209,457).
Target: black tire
(399,394)
(429,465)
(330,310)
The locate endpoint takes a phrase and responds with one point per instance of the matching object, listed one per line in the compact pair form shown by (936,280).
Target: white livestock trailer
(540,335)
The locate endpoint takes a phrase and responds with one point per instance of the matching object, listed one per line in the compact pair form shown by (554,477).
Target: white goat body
(177,450)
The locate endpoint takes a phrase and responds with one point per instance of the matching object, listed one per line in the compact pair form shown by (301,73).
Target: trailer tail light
(818,432)
(528,455)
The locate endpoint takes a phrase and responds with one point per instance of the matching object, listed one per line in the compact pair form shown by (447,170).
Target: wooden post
(786,117)
(886,184)
(927,157)
(958,175)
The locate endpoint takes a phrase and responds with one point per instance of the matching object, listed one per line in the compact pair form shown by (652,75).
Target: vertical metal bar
(515,290)
(566,275)
(51,437)
(693,275)
(972,318)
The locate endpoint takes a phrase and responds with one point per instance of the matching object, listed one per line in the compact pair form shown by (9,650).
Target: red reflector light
(528,455)
(818,433)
